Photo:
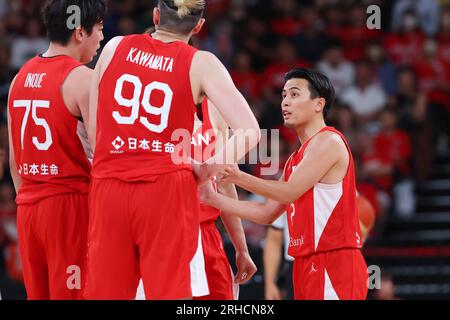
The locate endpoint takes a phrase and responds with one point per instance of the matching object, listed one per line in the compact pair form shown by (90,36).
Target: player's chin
(288,124)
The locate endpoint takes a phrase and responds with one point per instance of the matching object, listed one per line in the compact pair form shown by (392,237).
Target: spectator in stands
(343,119)
(385,71)
(433,74)
(355,36)
(375,170)
(404,45)
(126,26)
(24,48)
(285,22)
(443,37)
(410,104)
(311,41)
(426,11)
(246,79)
(366,97)
(340,71)
(394,144)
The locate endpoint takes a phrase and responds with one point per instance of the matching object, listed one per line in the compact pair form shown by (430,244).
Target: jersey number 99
(134,103)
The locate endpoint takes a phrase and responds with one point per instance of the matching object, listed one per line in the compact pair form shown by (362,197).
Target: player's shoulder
(111,46)
(205,58)
(327,141)
(79,77)
(114,42)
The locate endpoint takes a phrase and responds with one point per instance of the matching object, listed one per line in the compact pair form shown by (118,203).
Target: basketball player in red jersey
(48,103)
(318,192)
(216,281)
(144,217)
(219,275)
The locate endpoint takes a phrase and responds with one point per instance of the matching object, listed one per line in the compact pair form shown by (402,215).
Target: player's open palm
(246,268)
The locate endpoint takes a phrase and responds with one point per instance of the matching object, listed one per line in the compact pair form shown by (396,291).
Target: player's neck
(58,50)
(167,36)
(309,129)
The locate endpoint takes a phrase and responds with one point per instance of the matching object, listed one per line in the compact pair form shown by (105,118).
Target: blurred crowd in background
(392,84)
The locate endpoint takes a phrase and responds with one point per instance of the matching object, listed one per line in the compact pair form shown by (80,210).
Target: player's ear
(78,34)
(156,16)
(320,105)
(199,26)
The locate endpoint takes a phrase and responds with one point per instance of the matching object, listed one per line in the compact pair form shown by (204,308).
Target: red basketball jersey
(143,97)
(49,155)
(203,146)
(324,218)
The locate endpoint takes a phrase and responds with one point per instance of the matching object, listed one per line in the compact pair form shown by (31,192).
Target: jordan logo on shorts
(313,269)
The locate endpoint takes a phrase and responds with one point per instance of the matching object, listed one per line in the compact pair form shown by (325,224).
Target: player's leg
(32,253)
(347,274)
(66,244)
(112,262)
(309,278)
(218,270)
(166,228)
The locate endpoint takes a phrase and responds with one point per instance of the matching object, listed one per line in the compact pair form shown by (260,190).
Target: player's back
(48,152)
(143,97)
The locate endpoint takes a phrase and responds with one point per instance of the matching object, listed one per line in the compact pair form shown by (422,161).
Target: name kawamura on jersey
(149,60)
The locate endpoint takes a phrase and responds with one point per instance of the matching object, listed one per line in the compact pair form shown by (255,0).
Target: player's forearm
(276,190)
(234,228)
(251,211)
(232,223)
(271,260)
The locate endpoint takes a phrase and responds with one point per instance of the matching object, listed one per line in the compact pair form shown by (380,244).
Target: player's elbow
(252,134)
(287,197)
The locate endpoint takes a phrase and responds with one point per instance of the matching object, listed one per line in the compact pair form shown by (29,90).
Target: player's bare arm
(102,64)
(326,160)
(244,263)
(75,92)
(272,261)
(261,213)
(12,161)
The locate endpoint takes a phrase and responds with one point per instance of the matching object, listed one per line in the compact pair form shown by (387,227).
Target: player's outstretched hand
(246,268)
(230,174)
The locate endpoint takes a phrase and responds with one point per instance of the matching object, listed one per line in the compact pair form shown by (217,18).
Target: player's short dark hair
(56,17)
(318,84)
(170,19)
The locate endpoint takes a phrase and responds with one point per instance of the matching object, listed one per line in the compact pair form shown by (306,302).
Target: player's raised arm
(209,77)
(102,64)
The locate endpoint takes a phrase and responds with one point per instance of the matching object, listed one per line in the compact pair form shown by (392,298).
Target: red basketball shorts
(52,242)
(218,271)
(334,275)
(142,229)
